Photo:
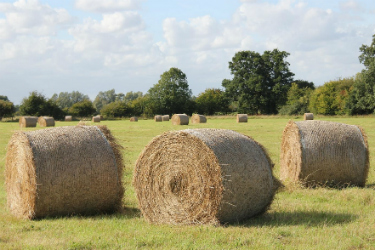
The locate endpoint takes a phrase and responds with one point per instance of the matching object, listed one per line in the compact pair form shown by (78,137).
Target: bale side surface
(203,176)
(165,118)
(158,118)
(180,119)
(28,121)
(45,121)
(241,117)
(95,119)
(324,153)
(198,119)
(133,119)
(63,171)
(308,116)
(68,118)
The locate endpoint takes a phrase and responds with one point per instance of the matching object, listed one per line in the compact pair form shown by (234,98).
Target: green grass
(299,218)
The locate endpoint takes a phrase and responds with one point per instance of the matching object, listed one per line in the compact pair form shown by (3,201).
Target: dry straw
(28,121)
(324,153)
(68,118)
(308,116)
(180,119)
(198,119)
(63,171)
(158,118)
(45,121)
(165,118)
(241,117)
(198,176)
(133,119)
(96,119)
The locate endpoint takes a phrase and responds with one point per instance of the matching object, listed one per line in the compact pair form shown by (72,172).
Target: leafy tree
(139,106)
(131,96)
(298,99)
(106,97)
(36,104)
(65,99)
(260,82)
(4,98)
(82,109)
(171,94)
(211,101)
(7,109)
(116,109)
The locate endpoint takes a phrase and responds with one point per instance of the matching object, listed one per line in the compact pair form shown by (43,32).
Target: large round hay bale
(158,118)
(96,119)
(28,121)
(203,176)
(324,153)
(134,119)
(180,119)
(68,118)
(308,116)
(63,171)
(198,119)
(45,121)
(241,117)
(165,118)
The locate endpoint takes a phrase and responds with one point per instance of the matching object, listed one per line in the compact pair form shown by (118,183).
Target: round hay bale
(101,117)
(203,176)
(180,119)
(45,121)
(308,116)
(165,118)
(133,119)
(198,119)
(324,153)
(158,118)
(241,117)
(28,121)
(68,118)
(96,119)
(63,171)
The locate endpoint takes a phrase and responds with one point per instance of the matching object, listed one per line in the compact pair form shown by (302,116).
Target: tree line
(261,84)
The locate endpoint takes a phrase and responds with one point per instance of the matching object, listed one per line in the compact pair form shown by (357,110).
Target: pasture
(321,218)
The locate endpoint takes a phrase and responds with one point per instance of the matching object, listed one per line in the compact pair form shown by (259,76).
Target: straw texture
(134,119)
(180,119)
(165,118)
(95,119)
(158,118)
(28,121)
(241,117)
(198,119)
(45,121)
(63,171)
(68,118)
(324,153)
(203,176)
(308,116)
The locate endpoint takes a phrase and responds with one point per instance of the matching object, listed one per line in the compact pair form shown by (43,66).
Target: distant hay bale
(96,119)
(45,121)
(180,119)
(241,117)
(198,119)
(63,171)
(324,153)
(158,118)
(165,118)
(308,116)
(68,118)
(28,121)
(196,176)
(134,119)
(101,117)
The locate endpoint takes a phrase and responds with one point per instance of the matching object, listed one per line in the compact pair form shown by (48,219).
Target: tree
(260,82)
(4,98)
(131,96)
(82,109)
(298,98)
(171,94)
(211,101)
(116,109)
(7,109)
(106,97)
(65,99)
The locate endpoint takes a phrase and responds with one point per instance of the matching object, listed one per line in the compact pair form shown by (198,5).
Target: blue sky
(93,45)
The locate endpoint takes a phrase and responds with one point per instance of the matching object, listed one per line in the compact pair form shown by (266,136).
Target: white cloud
(103,6)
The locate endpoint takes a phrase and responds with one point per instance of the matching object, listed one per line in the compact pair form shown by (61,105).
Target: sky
(93,45)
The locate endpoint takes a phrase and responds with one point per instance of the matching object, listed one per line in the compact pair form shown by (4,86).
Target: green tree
(211,101)
(116,109)
(82,109)
(106,97)
(298,98)
(139,106)
(260,82)
(7,109)
(37,105)
(131,96)
(65,99)
(171,94)
(4,98)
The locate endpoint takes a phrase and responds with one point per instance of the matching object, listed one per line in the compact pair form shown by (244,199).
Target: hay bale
(28,121)
(198,119)
(101,117)
(324,153)
(180,119)
(241,117)
(158,118)
(63,171)
(165,118)
(308,116)
(203,176)
(68,118)
(96,118)
(134,119)
(45,121)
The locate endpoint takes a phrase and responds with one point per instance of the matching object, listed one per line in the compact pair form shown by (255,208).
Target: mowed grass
(298,219)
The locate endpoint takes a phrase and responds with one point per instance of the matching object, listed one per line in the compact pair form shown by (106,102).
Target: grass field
(298,219)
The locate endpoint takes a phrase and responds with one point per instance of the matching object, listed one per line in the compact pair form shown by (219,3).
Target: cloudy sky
(94,45)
